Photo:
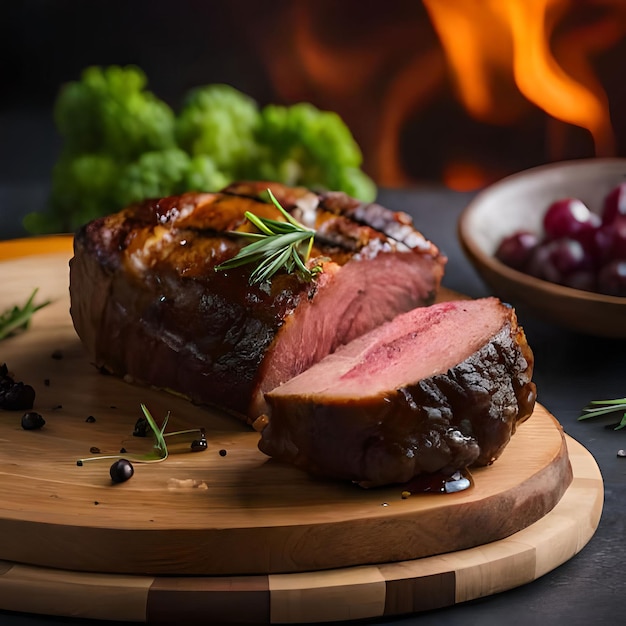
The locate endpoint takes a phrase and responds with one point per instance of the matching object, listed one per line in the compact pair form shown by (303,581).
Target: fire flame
(506,58)
(482,39)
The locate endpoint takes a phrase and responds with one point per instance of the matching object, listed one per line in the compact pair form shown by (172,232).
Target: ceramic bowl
(519,202)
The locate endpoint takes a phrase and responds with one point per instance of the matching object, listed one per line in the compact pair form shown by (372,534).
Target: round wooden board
(337,595)
(257,541)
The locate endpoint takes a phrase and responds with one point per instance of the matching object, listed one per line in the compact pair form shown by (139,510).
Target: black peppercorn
(198,445)
(32,421)
(142,428)
(121,470)
(17,397)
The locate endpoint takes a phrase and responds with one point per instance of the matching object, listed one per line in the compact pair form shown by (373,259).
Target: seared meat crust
(435,390)
(148,304)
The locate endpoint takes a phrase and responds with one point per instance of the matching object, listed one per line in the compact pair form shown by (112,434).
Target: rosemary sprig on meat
(603,407)
(17,318)
(278,245)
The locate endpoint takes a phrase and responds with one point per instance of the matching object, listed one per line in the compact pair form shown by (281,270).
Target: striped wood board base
(338,595)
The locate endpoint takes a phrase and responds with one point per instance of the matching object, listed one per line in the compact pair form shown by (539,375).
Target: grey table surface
(570,370)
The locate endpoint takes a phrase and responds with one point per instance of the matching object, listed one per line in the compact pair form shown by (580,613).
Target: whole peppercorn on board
(250,539)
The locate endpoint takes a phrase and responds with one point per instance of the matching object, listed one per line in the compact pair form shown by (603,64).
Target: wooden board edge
(346,543)
(341,595)
(31,246)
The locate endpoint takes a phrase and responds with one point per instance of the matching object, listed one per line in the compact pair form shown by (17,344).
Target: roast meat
(437,389)
(148,304)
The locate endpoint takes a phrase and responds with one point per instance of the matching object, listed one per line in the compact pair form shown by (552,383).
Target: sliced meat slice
(437,389)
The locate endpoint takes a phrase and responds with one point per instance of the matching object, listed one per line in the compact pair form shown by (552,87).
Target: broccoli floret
(165,173)
(83,188)
(356,183)
(219,121)
(153,175)
(302,145)
(122,144)
(203,175)
(110,110)
(107,119)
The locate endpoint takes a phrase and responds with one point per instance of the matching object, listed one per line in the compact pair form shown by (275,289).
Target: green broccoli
(107,120)
(122,144)
(219,121)
(109,110)
(90,185)
(83,188)
(203,175)
(302,145)
(165,173)
(153,175)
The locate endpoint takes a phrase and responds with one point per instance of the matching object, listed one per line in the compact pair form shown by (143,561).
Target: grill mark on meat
(337,216)
(148,303)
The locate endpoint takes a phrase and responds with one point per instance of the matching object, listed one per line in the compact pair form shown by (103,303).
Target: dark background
(357,52)
(45,43)
(356,57)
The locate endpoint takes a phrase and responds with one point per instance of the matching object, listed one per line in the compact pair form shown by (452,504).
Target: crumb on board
(186,483)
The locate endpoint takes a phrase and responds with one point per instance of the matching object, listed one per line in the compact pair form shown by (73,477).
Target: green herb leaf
(278,245)
(160,447)
(16,318)
(159,450)
(604,407)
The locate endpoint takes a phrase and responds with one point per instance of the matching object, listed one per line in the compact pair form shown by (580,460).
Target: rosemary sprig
(278,245)
(16,318)
(159,450)
(604,407)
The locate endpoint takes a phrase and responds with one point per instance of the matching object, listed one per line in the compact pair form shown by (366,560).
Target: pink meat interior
(415,345)
(361,296)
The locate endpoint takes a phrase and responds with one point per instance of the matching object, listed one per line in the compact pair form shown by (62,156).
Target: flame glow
(509,60)
(481,38)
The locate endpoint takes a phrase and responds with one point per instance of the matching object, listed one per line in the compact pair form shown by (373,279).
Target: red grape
(610,241)
(540,266)
(515,250)
(570,217)
(614,204)
(612,278)
(558,259)
(579,248)
(603,244)
(583,279)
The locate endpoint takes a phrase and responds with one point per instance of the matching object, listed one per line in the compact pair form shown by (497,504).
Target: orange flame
(508,59)
(512,39)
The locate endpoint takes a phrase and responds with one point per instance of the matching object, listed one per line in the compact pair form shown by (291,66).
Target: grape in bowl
(579,248)
(551,240)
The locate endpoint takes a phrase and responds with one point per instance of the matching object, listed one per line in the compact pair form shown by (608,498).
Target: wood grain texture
(339,595)
(283,547)
(251,514)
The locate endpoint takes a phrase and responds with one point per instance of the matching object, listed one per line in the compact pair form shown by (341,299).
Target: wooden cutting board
(243,529)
